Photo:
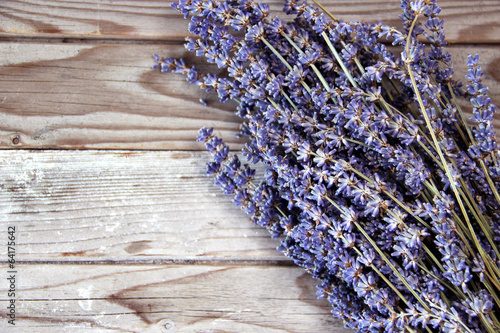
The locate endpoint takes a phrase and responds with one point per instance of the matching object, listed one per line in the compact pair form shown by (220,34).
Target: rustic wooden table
(117,228)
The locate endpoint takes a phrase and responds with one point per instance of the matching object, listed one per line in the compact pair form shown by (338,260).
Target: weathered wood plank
(102,96)
(466,21)
(125,206)
(80,96)
(166,298)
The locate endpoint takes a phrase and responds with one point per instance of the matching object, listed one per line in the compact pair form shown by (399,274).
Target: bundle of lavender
(374,179)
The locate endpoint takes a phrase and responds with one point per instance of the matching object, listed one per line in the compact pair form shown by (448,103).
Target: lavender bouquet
(374,179)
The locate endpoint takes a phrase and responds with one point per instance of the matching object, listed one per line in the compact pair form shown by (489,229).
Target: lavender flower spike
(374,180)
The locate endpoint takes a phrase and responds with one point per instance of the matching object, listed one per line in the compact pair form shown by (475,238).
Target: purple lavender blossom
(374,180)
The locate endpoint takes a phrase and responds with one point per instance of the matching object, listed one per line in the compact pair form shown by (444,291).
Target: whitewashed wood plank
(466,21)
(124,206)
(182,298)
(101,96)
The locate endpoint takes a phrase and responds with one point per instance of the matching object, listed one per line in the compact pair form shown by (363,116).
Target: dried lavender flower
(374,181)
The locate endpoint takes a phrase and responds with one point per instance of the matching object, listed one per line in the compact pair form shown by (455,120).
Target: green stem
(325,10)
(394,269)
(494,270)
(283,60)
(399,203)
(339,60)
(453,289)
(315,69)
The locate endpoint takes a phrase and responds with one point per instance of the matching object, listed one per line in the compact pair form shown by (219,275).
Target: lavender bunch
(374,180)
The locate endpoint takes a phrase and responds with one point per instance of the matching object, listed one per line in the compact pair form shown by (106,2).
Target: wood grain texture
(106,96)
(80,96)
(123,206)
(168,299)
(466,21)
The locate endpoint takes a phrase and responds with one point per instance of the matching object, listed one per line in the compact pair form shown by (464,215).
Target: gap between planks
(285,262)
(144,40)
(93,40)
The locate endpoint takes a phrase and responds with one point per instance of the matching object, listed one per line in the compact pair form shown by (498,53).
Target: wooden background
(118,228)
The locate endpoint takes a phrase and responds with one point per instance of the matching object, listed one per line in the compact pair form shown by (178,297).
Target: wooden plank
(103,96)
(81,96)
(466,21)
(123,206)
(166,298)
